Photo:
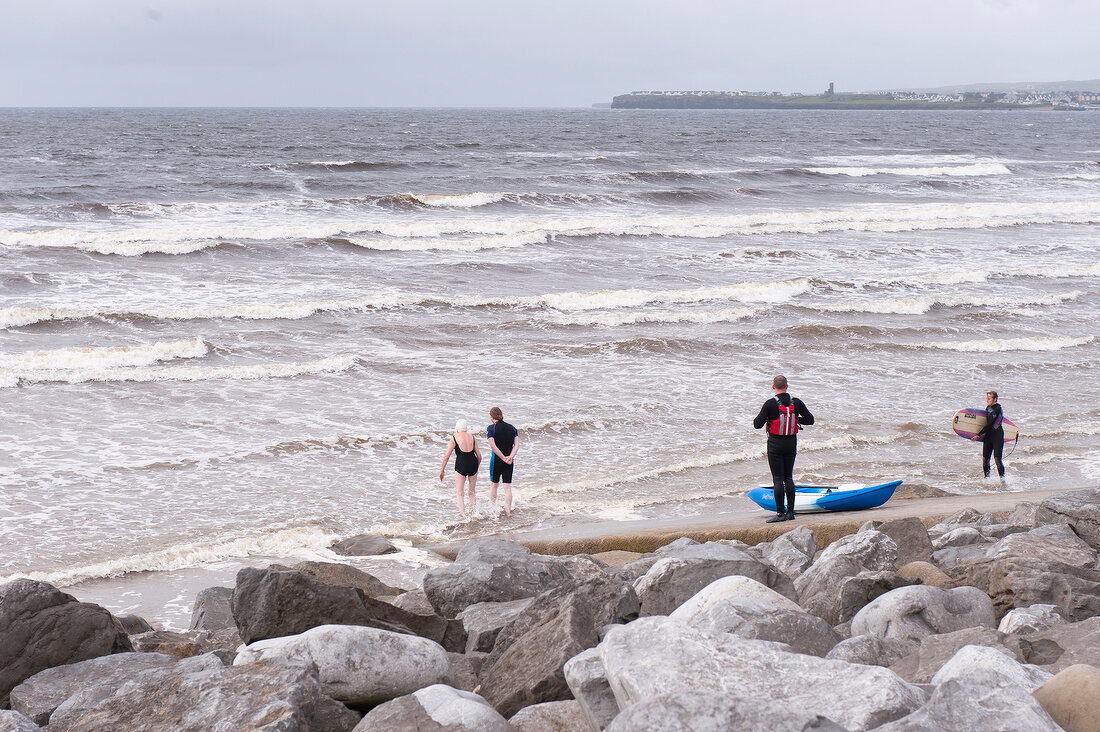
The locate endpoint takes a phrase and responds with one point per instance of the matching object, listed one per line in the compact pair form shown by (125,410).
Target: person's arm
(803,414)
(494,448)
(762,418)
(477,450)
(515,449)
(450,449)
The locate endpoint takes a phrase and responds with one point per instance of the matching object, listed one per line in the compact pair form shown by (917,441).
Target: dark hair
(779,382)
(495,413)
(993,393)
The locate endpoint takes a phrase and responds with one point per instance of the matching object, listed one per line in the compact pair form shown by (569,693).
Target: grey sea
(227,334)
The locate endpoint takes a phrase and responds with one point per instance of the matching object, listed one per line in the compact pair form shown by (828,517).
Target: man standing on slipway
(784,416)
(504,444)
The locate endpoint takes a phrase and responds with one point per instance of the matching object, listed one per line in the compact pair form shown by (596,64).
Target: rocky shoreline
(979,622)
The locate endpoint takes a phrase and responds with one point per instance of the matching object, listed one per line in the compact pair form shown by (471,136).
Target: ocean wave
(501,241)
(918,305)
(179,236)
(104,357)
(690,316)
(972,170)
(274,543)
(764,292)
(1059,270)
(458,200)
(997,345)
(333,364)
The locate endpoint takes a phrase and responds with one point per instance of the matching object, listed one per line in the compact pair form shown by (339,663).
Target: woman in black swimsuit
(467,461)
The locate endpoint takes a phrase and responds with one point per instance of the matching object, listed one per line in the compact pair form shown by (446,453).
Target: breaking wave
(333,364)
(970,171)
(104,357)
(918,305)
(997,345)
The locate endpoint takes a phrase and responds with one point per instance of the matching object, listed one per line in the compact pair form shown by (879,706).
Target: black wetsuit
(993,443)
(782,448)
(466,462)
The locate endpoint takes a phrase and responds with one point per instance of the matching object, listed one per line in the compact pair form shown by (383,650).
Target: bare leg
(493,493)
(507,499)
(459,480)
(471,482)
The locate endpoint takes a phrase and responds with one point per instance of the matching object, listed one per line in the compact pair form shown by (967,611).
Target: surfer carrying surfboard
(993,434)
(785,416)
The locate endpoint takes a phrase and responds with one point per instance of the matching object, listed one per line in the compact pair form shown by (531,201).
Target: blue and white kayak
(808,498)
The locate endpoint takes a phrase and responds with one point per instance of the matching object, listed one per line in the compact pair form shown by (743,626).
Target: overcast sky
(504,53)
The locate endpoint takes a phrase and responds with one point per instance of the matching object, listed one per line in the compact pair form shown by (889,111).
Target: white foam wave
(767,292)
(332,364)
(1059,270)
(104,357)
(501,241)
(770,292)
(200,233)
(922,304)
(691,316)
(973,170)
(280,543)
(461,200)
(997,345)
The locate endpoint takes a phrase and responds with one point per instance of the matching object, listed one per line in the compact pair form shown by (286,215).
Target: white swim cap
(460,425)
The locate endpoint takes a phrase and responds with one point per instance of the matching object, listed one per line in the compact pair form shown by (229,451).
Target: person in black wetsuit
(503,446)
(994,433)
(784,416)
(467,461)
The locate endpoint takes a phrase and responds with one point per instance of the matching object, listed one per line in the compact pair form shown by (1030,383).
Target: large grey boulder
(1079,509)
(959,536)
(526,666)
(746,608)
(1055,543)
(43,627)
(693,711)
(335,573)
(792,552)
(1070,698)
(1031,619)
(271,603)
(364,545)
(607,601)
(671,581)
(1066,644)
(357,665)
(911,613)
(414,601)
(1022,581)
(271,698)
(41,694)
(934,651)
(911,538)
(491,570)
(213,609)
(437,708)
(970,659)
(587,680)
(977,697)
(962,517)
(821,586)
(951,557)
(15,722)
(871,650)
(187,643)
(659,656)
(484,621)
(559,716)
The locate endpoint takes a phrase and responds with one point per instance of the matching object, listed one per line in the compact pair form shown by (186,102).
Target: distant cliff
(718,100)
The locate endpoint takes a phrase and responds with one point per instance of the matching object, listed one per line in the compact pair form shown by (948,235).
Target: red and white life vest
(787,424)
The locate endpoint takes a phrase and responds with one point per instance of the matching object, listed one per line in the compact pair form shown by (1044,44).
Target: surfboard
(970,420)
